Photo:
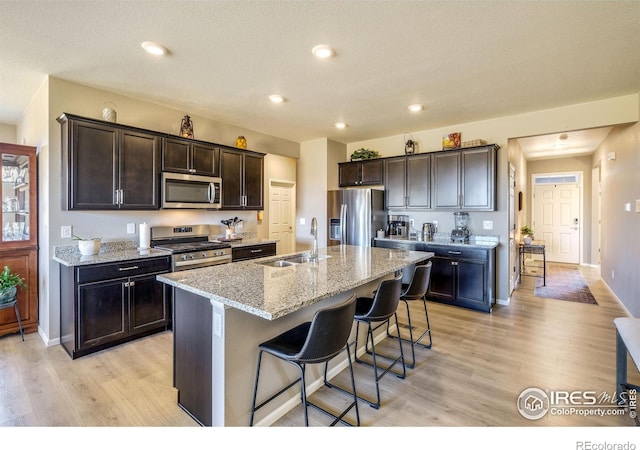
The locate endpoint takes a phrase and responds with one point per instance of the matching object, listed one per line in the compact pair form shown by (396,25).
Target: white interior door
(281,205)
(556,220)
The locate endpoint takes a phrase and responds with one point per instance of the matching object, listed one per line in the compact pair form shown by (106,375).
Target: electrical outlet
(217,324)
(435,224)
(487,224)
(613,274)
(131,228)
(411,222)
(638,205)
(66,231)
(303,221)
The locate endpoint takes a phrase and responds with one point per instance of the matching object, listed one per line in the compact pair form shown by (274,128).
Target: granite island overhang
(221,314)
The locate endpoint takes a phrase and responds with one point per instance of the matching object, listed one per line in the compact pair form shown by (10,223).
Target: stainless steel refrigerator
(354,216)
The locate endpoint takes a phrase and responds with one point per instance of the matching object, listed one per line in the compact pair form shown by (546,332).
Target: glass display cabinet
(19,236)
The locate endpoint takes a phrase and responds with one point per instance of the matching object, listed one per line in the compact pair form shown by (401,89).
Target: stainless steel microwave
(187,191)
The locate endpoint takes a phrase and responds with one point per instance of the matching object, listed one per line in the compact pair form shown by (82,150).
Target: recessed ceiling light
(154,49)
(340,125)
(323,51)
(415,108)
(275,98)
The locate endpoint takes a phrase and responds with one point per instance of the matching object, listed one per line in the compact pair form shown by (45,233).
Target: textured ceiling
(465,61)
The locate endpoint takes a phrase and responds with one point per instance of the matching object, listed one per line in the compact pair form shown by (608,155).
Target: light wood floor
(473,375)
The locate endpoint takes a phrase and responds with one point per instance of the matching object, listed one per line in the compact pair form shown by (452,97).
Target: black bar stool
(379,310)
(416,290)
(14,303)
(313,342)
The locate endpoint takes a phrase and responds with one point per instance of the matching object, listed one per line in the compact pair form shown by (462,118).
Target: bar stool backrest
(328,333)
(419,284)
(385,300)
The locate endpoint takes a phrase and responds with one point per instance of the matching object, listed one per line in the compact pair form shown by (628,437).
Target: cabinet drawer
(253,251)
(99,272)
(398,245)
(456,252)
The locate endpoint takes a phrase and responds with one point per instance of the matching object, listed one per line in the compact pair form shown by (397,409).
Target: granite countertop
(273,292)
(70,256)
(446,242)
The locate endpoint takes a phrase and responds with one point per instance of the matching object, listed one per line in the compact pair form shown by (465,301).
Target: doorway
(282,206)
(556,215)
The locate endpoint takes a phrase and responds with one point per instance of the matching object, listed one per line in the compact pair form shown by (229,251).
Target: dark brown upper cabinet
(188,156)
(465,179)
(408,182)
(360,173)
(108,166)
(242,174)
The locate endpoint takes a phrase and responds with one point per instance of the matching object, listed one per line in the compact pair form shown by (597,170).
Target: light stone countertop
(473,243)
(273,292)
(70,256)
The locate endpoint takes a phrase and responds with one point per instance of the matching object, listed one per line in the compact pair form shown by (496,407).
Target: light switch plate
(487,224)
(638,205)
(66,231)
(302,221)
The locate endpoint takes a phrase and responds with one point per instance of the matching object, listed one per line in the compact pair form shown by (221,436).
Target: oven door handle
(194,262)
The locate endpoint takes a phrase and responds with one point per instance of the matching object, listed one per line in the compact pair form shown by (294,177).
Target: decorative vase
(241,142)
(186,127)
(109,112)
(89,247)
(528,240)
(8,294)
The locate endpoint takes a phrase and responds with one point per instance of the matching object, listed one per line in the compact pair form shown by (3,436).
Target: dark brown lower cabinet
(461,275)
(103,305)
(253,251)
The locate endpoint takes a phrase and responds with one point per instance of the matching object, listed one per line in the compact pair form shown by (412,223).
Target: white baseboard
(47,342)
(503,302)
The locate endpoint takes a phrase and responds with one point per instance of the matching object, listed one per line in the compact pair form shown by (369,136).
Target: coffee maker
(461,232)
(398,226)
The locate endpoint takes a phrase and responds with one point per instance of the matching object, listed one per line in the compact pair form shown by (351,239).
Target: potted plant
(363,154)
(527,234)
(9,283)
(88,246)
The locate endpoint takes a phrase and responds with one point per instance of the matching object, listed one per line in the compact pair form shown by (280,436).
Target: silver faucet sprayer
(314,233)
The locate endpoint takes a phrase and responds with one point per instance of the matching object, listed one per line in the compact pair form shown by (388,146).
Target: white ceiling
(464,60)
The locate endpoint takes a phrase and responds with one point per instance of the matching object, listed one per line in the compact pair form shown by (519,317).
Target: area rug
(564,283)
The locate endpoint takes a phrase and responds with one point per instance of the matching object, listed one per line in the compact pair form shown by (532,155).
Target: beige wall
(40,128)
(8,133)
(612,111)
(620,246)
(580,164)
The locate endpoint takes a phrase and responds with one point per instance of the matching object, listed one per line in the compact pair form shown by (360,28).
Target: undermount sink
(293,260)
(279,263)
(300,259)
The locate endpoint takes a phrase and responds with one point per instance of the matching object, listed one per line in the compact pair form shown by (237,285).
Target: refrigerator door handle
(343,224)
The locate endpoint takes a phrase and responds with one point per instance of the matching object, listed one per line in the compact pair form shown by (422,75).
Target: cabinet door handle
(129,283)
(451,252)
(116,197)
(122,196)
(454,263)
(127,268)
(256,251)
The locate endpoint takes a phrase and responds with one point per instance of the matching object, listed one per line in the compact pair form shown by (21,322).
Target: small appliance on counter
(398,226)
(461,232)
(428,231)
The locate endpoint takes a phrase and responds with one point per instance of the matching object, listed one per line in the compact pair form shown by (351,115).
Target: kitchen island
(222,313)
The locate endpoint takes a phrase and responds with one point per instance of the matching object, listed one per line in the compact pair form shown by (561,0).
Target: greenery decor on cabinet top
(364,153)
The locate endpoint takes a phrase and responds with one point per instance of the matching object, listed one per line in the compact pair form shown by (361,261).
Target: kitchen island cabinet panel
(192,347)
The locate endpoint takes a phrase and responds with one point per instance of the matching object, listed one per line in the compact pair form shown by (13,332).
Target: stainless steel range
(190,246)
